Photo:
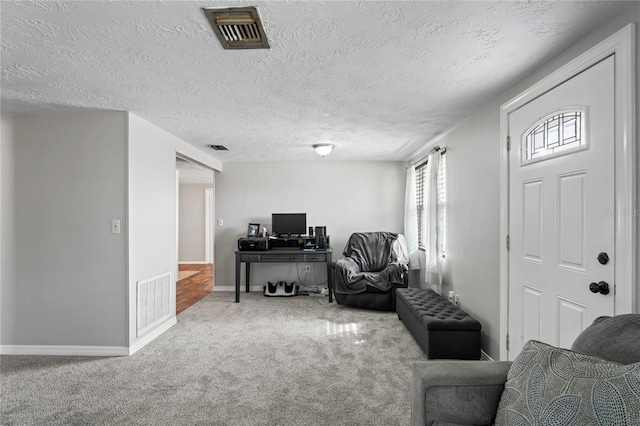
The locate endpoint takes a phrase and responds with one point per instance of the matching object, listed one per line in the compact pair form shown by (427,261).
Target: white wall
(67,285)
(473,165)
(191,245)
(152,210)
(345,197)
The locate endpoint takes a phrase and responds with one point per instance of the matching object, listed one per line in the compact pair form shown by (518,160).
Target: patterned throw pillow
(551,386)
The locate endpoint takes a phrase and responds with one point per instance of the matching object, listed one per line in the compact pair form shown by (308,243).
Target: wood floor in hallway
(193,288)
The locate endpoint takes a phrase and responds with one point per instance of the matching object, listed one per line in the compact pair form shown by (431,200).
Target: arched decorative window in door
(556,134)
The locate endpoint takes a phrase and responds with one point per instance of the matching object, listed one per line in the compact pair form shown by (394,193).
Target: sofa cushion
(613,338)
(551,386)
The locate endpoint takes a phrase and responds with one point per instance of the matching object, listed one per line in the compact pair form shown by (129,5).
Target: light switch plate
(115,226)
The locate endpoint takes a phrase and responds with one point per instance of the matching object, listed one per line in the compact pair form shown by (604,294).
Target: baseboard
(151,335)
(484,356)
(216,288)
(69,350)
(199,262)
(64,350)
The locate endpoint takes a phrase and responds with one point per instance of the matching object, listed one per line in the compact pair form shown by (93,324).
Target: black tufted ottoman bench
(442,330)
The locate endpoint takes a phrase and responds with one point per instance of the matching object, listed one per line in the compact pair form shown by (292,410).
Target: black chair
(375,264)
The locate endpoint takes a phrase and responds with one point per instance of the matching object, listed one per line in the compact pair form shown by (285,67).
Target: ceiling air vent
(219,147)
(237,27)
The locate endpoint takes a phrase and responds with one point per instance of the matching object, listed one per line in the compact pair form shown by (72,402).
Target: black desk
(281,255)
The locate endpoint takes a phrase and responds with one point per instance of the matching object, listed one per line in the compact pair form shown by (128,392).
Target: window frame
(420,175)
(442,202)
(421,172)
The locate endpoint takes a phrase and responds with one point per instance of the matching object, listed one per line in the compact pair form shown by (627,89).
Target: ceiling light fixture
(323,149)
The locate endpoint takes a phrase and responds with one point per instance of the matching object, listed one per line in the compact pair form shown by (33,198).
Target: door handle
(601,287)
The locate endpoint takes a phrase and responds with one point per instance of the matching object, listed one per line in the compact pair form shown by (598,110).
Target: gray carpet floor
(264,361)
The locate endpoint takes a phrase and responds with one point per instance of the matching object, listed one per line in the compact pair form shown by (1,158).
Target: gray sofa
(468,392)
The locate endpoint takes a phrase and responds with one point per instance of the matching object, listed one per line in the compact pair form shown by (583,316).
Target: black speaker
(321,237)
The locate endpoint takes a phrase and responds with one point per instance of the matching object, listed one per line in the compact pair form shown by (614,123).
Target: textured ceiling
(376,79)
(193,173)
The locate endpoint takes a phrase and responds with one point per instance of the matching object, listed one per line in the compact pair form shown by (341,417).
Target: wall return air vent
(237,27)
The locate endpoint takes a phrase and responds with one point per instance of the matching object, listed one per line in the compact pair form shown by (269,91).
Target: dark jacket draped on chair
(371,259)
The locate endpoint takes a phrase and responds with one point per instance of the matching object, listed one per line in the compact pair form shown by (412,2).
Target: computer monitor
(289,223)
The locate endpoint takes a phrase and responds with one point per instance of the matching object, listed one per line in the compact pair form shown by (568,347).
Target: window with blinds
(421,176)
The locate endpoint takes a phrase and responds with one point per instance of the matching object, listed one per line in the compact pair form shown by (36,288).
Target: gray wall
(7,232)
(191,241)
(67,285)
(64,177)
(473,165)
(345,197)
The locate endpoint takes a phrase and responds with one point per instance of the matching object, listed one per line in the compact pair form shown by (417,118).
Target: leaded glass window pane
(553,135)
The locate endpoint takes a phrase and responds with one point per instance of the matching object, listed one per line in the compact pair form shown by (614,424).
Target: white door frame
(622,45)
(177,207)
(208,225)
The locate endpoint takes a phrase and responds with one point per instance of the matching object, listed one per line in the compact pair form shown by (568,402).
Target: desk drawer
(249,258)
(315,257)
(282,257)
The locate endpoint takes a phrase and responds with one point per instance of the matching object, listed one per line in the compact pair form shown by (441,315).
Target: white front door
(561,210)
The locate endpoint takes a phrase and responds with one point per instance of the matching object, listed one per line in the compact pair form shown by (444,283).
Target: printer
(253,243)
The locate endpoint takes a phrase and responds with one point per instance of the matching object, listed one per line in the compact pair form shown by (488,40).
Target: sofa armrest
(459,392)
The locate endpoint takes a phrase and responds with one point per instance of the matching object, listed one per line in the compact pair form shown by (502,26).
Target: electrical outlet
(307,268)
(456,299)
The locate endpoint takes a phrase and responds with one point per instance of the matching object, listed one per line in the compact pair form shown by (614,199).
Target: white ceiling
(189,173)
(376,79)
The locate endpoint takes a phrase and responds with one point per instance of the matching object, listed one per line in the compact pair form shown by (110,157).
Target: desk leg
(330,282)
(238,279)
(247,274)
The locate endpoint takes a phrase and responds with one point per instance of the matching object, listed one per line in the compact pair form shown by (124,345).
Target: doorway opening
(194,232)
